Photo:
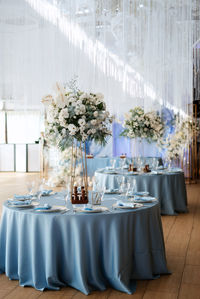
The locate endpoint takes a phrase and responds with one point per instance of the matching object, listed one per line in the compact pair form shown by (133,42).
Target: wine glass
(113,163)
(95,183)
(154,163)
(40,188)
(68,193)
(30,186)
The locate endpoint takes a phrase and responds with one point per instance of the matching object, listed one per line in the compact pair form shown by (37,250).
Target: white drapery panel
(136,52)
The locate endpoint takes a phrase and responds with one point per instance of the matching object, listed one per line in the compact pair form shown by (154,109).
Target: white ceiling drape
(136,52)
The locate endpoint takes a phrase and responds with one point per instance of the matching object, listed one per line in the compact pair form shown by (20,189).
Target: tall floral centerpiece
(180,140)
(138,124)
(73,117)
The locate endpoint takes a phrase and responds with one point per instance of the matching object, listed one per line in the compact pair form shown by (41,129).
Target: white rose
(61,118)
(82,108)
(93,131)
(95,114)
(79,102)
(93,122)
(81,122)
(63,131)
(72,129)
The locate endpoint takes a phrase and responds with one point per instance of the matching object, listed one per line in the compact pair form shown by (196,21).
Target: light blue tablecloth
(85,251)
(98,162)
(168,188)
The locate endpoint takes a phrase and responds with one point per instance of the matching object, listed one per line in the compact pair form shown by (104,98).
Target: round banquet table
(169,187)
(102,162)
(87,251)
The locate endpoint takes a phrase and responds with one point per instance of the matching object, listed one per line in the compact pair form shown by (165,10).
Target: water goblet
(95,183)
(30,186)
(113,164)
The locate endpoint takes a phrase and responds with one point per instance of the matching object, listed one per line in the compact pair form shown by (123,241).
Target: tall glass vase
(79,194)
(137,147)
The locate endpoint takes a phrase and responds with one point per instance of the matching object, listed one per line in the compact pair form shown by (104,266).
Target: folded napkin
(141,193)
(88,209)
(18,202)
(125,204)
(22,196)
(144,198)
(46,192)
(44,207)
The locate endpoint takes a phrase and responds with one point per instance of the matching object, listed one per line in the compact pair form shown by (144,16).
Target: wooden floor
(182,241)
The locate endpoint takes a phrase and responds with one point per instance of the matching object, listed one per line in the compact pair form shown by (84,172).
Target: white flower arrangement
(138,124)
(180,140)
(74,114)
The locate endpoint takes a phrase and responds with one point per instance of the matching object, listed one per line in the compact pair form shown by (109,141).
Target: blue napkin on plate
(145,198)
(44,207)
(46,192)
(22,196)
(19,202)
(125,204)
(141,193)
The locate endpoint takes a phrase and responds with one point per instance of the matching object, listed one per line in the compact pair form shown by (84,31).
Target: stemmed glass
(67,194)
(95,183)
(30,186)
(131,187)
(39,188)
(113,163)
(140,164)
(154,163)
(122,163)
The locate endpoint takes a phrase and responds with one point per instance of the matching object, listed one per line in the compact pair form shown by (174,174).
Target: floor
(182,241)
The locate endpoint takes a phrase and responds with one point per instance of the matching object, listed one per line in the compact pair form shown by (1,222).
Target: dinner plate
(31,205)
(135,206)
(94,210)
(143,199)
(20,199)
(53,209)
(141,193)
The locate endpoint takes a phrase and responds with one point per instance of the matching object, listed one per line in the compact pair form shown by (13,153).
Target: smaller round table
(169,187)
(85,251)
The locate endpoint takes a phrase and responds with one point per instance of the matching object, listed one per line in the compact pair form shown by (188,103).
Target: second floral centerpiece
(74,117)
(138,124)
